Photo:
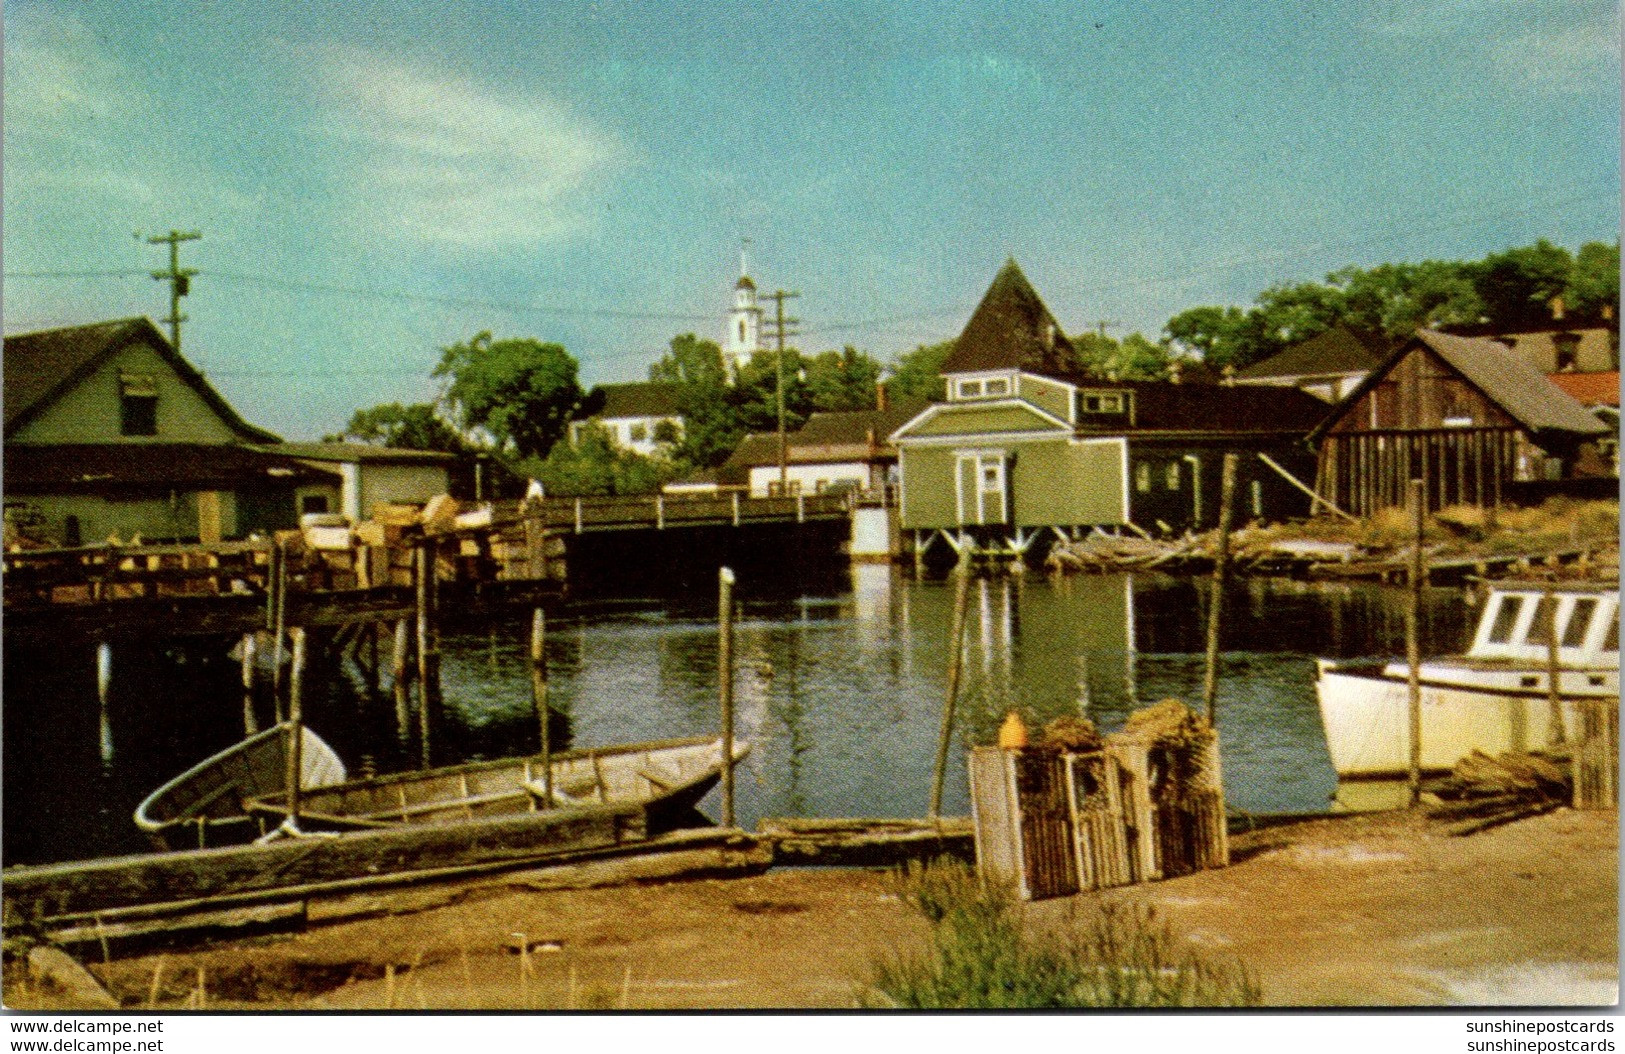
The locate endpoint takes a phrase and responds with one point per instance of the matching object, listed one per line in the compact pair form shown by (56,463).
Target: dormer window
(970,389)
(996,386)
(1101,402)
(138,404)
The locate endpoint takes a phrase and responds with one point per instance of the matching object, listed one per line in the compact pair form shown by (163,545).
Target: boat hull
(1366,715)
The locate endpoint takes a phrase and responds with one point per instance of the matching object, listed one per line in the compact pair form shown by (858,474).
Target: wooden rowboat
(205,804)
(653,786)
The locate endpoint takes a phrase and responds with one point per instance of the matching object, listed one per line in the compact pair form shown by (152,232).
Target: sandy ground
(1379,910)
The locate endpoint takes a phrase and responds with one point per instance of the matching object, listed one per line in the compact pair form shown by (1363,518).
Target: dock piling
(296,732)
(538,698)
(956,647)
(1413,640)
(1221,564)
(725,686)
(399,665)
(250,646)
(104,691)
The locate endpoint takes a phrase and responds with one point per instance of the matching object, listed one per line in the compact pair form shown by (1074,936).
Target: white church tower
(744,336)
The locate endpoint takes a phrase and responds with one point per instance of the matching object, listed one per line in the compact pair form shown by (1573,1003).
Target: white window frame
(981,461)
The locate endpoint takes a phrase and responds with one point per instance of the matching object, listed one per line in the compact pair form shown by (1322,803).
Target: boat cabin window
(1506,616)
(1545,613)
(1574,634)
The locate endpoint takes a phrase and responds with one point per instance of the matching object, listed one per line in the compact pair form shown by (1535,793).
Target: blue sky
(375,180)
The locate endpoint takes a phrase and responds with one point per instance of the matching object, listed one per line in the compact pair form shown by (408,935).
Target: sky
(377,180)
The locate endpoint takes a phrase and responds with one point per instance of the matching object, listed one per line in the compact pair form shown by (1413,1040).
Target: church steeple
(745,320)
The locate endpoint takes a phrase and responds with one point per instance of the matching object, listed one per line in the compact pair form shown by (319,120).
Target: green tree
(918,373)
(1517,286)
(842,380)
(594,466)
(413,427)
(521,391)
(711,427)
(1219,336)
(1594,280)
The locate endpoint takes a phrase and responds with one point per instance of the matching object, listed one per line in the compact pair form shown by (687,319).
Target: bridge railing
(664,510)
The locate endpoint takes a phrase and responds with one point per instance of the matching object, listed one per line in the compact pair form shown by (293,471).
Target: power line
(456,301)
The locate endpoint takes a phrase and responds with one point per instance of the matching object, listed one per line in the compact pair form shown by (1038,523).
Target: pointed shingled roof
(1011,329)
(1336,350)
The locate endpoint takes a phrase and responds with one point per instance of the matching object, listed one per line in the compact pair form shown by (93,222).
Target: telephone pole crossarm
(178,277)
(781,329)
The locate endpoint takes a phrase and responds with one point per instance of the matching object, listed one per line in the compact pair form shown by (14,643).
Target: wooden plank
(97,885)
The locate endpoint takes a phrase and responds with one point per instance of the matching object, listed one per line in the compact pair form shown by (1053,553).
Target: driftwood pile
(1265,552)
(1484,792)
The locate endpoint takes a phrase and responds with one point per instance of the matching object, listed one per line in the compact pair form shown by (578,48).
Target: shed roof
(1011,329)
(359,452)
(1337,350)
(638,399)
(1506,379)
(42,366)
(184,466)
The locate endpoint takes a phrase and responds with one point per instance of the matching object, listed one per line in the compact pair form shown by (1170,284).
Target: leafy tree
(755,392)
(918,373)
(842,380)
(521,391)
(1517,286)
(414,427)
(711,429)
(595,466)
(1594,280)
(1220,336)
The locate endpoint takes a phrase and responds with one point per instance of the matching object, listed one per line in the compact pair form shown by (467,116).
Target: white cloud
(440,158)
(1540,45)
(1568,59)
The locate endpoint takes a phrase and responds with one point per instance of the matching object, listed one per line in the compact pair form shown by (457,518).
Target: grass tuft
(980,956)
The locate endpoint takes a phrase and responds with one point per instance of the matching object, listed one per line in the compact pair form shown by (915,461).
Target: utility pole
(780,331)
(179,279)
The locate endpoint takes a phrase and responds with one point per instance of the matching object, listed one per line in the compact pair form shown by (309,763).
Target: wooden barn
(1467,416)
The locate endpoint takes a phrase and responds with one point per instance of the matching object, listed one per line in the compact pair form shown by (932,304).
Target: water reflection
(840,694)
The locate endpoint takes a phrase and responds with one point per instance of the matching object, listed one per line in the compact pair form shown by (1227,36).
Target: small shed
(359,477)
(1467,416)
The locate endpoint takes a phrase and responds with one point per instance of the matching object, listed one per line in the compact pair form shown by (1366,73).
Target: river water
(839,686)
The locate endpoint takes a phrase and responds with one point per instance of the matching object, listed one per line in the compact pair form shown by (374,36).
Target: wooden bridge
(662,511)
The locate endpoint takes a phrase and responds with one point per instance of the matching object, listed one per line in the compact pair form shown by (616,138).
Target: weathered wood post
(1221,564)
(104,691)
(250,646)
(956,647)
(535,541)
(538,698)
(428,665)
(1556,730)
(400,668)
(279,625)
(1413,640)
(725,686)
(296,727)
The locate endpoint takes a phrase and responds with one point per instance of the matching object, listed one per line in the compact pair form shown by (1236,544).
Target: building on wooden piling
(1472,419)
(1027,441)
(109,431)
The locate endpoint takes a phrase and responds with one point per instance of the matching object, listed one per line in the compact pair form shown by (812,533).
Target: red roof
(1589,389)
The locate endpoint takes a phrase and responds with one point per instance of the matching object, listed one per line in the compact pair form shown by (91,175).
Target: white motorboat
(1496,698)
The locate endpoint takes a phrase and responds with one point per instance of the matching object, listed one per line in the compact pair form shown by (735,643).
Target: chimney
(1557,308)
(1607,311)
(1229,373)
(882,400)
(1174,368)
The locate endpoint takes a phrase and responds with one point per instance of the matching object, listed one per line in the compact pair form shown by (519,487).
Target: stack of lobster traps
(1078,811)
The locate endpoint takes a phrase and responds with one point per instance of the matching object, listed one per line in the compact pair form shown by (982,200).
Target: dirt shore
(1374,910)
